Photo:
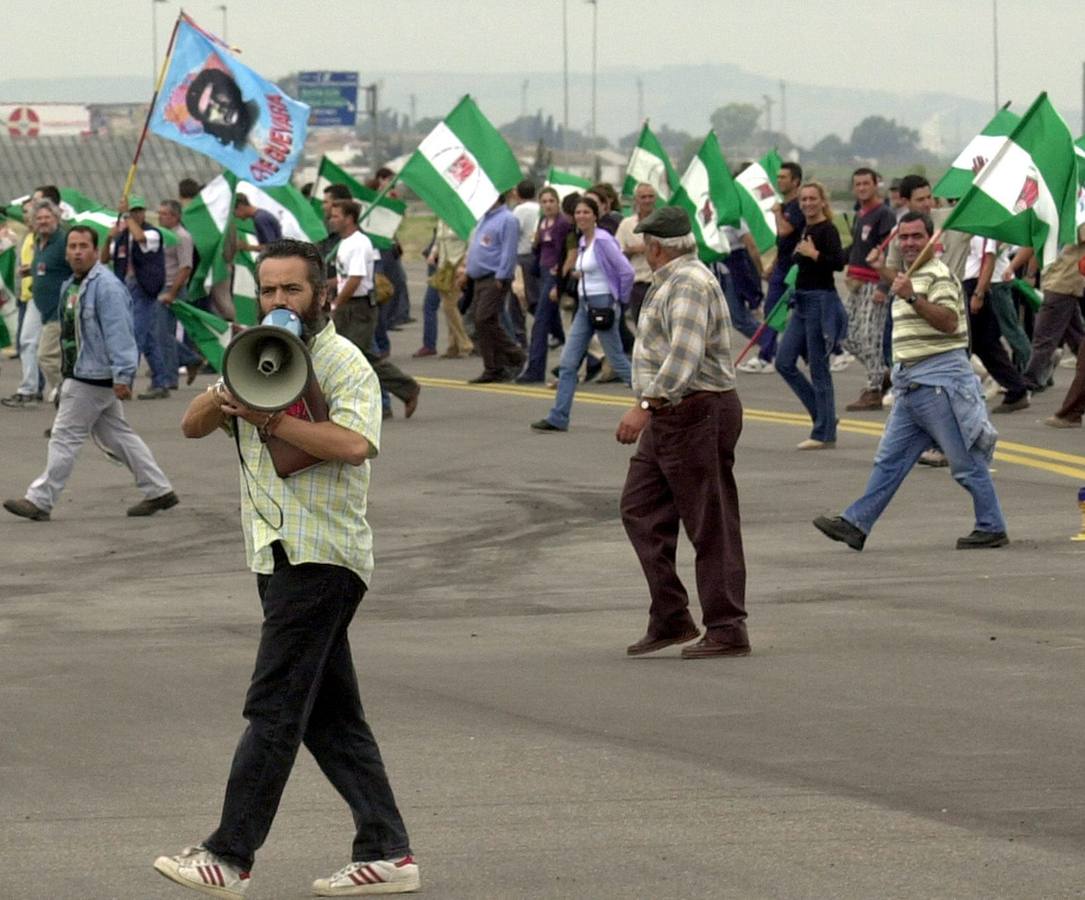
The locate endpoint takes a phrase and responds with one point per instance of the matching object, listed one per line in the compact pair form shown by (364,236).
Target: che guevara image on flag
(212,103)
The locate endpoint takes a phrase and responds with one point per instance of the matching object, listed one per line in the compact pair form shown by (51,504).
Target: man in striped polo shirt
(938,399)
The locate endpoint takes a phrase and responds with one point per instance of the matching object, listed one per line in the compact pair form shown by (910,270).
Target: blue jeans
(304,690)
(147,321)
(741,317)
(805,336)
(576,344)
(546,313)
(175,352)
(918,418)
(431,304)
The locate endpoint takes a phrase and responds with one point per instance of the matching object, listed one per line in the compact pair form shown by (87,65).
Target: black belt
(667,409)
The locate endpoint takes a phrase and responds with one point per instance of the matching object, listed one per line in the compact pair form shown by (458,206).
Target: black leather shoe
(150,507)
(650,643)
(978,540)
(26,509)
(840,529)
(486,378)
(545,425)
(707,647)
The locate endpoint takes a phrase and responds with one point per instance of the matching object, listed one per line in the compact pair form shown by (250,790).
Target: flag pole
(784,298)
(150,111)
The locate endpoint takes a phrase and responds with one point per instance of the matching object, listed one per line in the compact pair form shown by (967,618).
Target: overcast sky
(910,46)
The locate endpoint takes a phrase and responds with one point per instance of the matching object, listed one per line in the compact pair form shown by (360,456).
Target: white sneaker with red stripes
(382,876)
(199,869)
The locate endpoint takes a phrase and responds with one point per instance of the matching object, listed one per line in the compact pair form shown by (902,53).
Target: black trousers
(987,345)
(304,689)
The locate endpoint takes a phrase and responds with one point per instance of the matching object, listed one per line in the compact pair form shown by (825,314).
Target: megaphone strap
(249,478)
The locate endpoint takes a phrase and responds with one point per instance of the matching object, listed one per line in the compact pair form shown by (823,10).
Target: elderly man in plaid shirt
(307,540)
(688,418)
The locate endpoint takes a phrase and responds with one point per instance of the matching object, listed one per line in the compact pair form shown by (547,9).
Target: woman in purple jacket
(604,279)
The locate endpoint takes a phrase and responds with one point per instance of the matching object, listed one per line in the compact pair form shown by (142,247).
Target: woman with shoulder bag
(604,279)
(818,321)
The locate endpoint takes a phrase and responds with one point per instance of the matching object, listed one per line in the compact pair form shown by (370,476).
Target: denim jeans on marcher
(545,313)
(576,344)
(147,314)
(917,419)
(805,336)
(431,305)
(304,689)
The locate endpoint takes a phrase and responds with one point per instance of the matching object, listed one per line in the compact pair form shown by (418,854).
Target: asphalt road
(909,724)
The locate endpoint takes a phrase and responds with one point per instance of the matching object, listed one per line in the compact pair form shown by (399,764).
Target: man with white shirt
(526,210)
(644,204)
(354,308)
(139,261)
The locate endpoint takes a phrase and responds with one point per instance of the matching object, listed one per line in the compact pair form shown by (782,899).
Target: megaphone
(268,367)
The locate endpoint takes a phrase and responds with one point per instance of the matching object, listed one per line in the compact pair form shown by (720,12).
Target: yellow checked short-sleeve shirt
(323,508)
(914,338)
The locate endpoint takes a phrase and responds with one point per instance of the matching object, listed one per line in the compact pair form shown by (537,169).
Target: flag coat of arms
(212,103)
(462,167)
(1027,192)
(708,193)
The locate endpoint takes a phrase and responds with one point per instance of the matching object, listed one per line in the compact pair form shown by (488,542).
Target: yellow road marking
(1054,461)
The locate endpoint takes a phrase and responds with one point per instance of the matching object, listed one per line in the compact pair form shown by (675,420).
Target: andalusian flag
(757,196)
(708,193)
(649,164)
(462,167)
(1027,192)
(381,224)
(210,333)
(983,147)
(290,206)
(566,183)
(207,219)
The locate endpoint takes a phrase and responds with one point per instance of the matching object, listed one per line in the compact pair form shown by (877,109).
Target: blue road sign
(332,96)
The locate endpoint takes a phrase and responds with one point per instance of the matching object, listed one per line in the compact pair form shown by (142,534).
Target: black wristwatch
(910,300)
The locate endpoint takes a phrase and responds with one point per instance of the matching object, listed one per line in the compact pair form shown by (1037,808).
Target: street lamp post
(594,50)
(154,41)
(222,8)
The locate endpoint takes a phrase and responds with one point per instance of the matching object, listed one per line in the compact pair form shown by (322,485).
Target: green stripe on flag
(650,164)
(757,196)
(211,333)
(958,179)
(708,194)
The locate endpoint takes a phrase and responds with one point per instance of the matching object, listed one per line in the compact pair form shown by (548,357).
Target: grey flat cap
(665,222)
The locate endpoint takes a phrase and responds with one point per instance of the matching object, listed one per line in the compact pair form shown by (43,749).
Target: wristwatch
(645,405)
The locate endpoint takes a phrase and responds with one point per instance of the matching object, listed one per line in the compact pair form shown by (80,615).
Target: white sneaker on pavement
(840,362)
(381,876)
(200,870)
(757,366)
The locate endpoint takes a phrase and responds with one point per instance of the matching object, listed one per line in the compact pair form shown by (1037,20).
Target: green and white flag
(207,219)
(566,183)
(982,147)
(649,164)
(757,196)
(462,167)
(79,209)
(708,193)
(381,223)
(1027,192)
(296,216)
(211,334)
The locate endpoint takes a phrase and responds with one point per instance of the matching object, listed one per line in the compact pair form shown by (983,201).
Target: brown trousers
(682,474)
(356,320)
(499,351)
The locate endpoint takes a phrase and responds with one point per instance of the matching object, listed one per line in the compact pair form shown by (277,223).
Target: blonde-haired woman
(818,321)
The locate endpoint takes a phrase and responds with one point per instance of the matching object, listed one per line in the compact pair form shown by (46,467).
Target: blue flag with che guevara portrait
(222,109)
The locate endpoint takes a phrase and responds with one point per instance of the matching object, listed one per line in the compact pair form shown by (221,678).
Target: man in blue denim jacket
(99,364)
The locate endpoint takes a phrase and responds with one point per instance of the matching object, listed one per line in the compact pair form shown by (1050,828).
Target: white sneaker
(199,869)
(1069,362)
(990,387)
(757,366)
(382,876)
(840,362)
(888,398)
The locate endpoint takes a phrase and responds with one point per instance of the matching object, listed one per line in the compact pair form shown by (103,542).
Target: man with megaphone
(307,540)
